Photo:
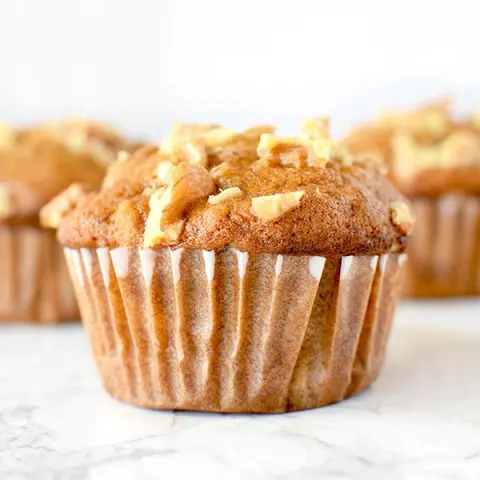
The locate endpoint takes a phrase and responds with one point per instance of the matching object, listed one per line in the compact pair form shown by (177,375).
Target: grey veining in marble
(420,421)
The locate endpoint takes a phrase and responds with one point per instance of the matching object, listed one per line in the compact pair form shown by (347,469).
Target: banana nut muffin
(35,165)
(435,161)
(235,272)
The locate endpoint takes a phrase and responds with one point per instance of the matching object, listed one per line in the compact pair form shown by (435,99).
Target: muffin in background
(35,165)
(434,160)
(235,272)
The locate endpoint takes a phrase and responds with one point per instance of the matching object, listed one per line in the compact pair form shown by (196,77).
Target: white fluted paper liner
(444,251)
(231,331)
(34,281)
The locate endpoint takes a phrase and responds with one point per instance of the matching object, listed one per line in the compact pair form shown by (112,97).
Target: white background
(144,63)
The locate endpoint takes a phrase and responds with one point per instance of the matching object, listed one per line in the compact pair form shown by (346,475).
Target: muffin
(235,272)
(435,161)
(36,165)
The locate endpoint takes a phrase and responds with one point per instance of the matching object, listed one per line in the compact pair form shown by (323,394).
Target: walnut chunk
(164,170)
(195,153)
(277,151)
(188,183)
(154,233)
(52,213)
(218,136)
(7,135)
(294,151)
(225,195)
(270,144)
(322,149)
(5,203)
(123,156)
(226,175)
(165,222)
(254,133)
(316,128)
(271,207)
(401,217)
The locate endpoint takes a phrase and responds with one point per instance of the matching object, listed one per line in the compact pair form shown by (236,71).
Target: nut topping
(187,184)
(294,151)
(401,217)
(164,170)
(123,156)
(271,207)
(225,195)
(7,135)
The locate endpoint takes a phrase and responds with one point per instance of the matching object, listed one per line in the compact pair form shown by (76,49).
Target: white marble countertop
(420,420)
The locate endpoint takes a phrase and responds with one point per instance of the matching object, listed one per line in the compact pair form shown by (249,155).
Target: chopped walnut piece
(401,217)
(316,128)
(226,175)
(5,203)
(225,195)
(294,151)
(123,156)
(7,135)
(254,133)
(270,144)
(221,170)
(154,233)
(164,170)
(53,212)
(322,149)
(185,143)
(271,207)
(218,136)
(195,153)
(187,184)
(275,151)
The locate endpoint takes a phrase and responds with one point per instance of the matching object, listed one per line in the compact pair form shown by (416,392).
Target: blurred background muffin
(35,165)
(434,159)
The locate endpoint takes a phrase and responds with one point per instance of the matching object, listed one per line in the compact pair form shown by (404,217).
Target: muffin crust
(338,208)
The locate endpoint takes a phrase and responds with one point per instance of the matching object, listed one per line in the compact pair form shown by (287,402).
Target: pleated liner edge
(35,285)
(444,251)
(234,332)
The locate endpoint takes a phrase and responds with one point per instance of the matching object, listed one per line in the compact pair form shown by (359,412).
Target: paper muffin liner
(229,331)
(444,251)
(34,281)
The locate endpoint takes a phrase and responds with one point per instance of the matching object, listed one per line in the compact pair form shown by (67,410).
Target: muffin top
(427,151)
(37,164)
(209,187)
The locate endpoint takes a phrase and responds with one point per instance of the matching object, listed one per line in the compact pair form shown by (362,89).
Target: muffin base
(444,251)
(34,283)
(234,332)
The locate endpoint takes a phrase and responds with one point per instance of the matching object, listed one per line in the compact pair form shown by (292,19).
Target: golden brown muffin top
(426,150)
(209,187)
(37,164)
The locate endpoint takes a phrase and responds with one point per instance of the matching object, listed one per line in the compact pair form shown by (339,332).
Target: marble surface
(420,420)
